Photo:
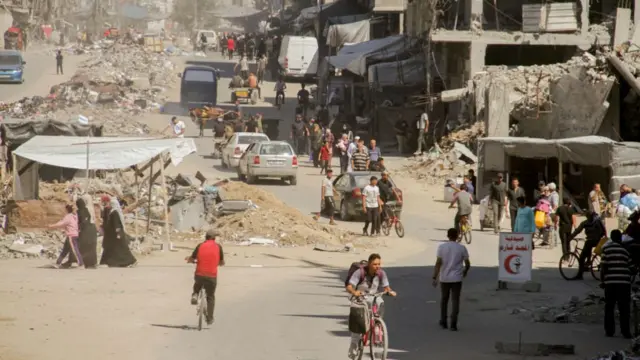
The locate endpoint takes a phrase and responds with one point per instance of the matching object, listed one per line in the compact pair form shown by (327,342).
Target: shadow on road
(177,327)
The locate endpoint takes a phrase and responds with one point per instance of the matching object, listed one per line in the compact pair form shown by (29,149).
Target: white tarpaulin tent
(105,153)
(352,33)
(355,58)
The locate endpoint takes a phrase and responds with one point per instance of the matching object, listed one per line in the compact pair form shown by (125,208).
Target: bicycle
(377,335)
(392,220)
(201,307)
(465,229)
(571,259)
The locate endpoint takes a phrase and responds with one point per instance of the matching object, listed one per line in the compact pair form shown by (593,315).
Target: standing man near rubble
(299,132)
(327,196)
(498,197)
(59,59)
(616,274)
(512,195)
(178,127)
(401,128)
(360,158)
(244,67)
(423,128)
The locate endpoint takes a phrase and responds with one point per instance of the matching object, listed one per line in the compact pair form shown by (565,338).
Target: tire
(567,263)
(293,180)
(344,213)
(595,267)
(201,310)
(400,229)
(386,229)
(373,345)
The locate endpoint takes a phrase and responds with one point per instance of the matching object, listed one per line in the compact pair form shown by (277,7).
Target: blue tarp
(355,58)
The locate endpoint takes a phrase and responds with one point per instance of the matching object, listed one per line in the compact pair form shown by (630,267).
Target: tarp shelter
(355,58)
(622,158)
(354,33)
(105,153)
(406,72)
(231,11)
(18,131)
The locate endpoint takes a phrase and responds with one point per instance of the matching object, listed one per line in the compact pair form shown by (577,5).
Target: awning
(406,72)
(353,33)
(105,153)
(585,150)
(231,11)
(355,58)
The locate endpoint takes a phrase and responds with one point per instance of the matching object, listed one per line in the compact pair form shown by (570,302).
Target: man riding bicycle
(208,256)
(368,280)
(388,194)
(463,200)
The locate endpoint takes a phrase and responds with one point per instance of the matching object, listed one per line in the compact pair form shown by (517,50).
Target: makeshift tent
(406,72)
(19,131)
(352,33)
(622,158)
(357,57)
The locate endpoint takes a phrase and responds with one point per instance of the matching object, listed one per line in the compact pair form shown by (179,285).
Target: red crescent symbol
(507,264)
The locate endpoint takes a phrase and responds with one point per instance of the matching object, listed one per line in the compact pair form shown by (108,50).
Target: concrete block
(532,286)
(534,349)
(623,22)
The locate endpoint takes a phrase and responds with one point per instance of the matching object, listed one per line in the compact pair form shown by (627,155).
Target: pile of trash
(450,159)
(589,310)
(271,221)
(118,83)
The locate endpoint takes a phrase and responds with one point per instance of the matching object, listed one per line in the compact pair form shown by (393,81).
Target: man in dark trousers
(512,195)
(566,222)
(616,273)
(299,133)
(59,59)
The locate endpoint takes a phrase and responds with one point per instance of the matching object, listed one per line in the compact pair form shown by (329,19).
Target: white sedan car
(274,159)
(237,145)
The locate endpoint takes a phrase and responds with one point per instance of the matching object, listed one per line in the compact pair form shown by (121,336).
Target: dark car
(349,188)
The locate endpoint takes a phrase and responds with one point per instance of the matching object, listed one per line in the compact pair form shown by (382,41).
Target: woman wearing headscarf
(88,234)
(115,244)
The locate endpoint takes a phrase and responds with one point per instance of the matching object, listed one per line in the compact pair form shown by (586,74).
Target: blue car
(11,66)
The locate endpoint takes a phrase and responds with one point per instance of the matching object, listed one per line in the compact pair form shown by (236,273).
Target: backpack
(361,265)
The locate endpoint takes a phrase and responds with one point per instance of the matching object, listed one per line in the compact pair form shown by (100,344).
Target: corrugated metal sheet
(554,17)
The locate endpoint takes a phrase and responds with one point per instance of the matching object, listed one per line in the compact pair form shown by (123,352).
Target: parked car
(237,145)
(275,159)
(349,188)
(11,66)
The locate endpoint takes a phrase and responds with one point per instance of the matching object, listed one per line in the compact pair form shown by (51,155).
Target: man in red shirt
(231,46)
(325,156)
(208,256)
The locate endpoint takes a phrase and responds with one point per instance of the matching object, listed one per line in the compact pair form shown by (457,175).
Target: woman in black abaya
(115,243)
(88,235)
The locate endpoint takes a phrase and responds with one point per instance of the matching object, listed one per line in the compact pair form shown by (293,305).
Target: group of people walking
(81,235)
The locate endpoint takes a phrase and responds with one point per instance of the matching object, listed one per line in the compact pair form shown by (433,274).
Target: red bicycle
(391,220)
(376,337)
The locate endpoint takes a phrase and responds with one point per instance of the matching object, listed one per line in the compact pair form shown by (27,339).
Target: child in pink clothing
(70,225)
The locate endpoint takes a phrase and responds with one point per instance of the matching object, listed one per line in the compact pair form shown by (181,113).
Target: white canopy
(105,153)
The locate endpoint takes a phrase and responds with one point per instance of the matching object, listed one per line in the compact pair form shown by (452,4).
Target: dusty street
(278,303)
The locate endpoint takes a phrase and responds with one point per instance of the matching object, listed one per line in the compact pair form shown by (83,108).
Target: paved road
(290,309)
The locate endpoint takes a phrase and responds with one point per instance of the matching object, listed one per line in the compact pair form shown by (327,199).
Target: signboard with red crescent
(515,257)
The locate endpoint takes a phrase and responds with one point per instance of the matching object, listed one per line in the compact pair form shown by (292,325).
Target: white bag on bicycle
(359,320)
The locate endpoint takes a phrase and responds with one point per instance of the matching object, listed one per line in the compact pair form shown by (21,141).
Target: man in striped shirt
(616,277)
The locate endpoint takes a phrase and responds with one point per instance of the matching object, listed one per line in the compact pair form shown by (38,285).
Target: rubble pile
(118,83)
(272,219)
(531,83)
(466,136)
(586,311)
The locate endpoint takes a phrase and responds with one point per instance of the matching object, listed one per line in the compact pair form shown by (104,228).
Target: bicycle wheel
(595,267)
(467,235)
(569,266)
(399,228)
(385,227)
(379,340)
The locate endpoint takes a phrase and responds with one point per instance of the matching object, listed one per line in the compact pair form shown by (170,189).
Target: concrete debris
(587,311)
(273,219)
(533,349)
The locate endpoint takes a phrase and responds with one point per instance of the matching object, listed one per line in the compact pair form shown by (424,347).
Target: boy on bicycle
(388,194)
(207,256)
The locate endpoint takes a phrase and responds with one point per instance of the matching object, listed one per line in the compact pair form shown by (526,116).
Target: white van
(299,56)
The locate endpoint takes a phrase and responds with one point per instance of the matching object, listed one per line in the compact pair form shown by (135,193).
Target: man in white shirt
(244,68)
(423,127)
(452,265)
(178,127)
(371,205)
(353,146)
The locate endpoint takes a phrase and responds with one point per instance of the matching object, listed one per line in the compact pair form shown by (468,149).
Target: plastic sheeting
(355,58)
(353,33)
(105,153)
(410,71)
(22,131)
(231,11)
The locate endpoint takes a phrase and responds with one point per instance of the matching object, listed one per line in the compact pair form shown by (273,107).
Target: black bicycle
(569,264)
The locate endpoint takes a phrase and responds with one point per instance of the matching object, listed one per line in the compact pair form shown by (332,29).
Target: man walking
(327,194)
(371,205)
(299,134)
(616,279)
(59,59)
(343,149)
(498,197)
(512,195)
(449,272)
(243,64)
(262,66)
(360,158)
(423,128)
(231,47)
(566,223)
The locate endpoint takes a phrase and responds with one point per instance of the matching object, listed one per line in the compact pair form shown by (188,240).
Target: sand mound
(274,220)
